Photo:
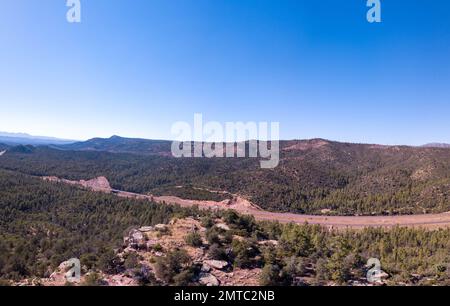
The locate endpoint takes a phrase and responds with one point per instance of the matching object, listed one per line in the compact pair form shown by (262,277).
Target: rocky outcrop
(223,226)
(146,229)
(216,264)
(163,238)
(136,240)
(209,280)
(146,245)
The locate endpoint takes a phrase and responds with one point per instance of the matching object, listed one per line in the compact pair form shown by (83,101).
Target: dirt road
(427,221)
(241,205)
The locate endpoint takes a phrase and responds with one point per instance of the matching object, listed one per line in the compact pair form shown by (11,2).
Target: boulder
(268,242)
(137,236)
(206,268)
(146,229)
(136,240)
(161,227)
(223,226)
(217,264)
(208,280)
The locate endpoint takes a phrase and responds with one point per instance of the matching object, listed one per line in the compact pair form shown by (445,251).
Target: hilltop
(117,144)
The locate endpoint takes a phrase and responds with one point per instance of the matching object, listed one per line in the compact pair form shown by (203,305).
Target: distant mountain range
(437,145)
(117,144)
(114,144)
(26,139)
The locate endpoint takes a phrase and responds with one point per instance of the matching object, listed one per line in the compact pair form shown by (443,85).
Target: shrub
(217,252)
(243,253)
(176,262)
(194,239)
(93,279)
(89,260)
(108,261)
(212,235)
(157,247)
(207,222)
(272,275)
(132,261)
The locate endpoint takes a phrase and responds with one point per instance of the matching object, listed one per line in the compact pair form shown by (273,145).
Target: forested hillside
(313,175)
(43,224)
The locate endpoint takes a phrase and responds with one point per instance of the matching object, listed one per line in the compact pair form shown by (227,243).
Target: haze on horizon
(317,67)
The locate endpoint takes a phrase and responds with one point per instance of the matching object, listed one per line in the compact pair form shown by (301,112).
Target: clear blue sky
(133,68)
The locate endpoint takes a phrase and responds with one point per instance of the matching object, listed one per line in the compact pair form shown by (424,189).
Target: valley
(243,206)
(125,238)
(314,176)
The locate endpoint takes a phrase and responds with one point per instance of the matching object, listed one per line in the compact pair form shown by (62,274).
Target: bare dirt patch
(100,184)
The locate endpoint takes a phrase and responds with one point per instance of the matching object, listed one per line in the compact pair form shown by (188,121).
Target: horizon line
(31,136)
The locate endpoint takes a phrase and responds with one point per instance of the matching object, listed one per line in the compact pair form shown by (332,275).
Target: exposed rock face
(99,184)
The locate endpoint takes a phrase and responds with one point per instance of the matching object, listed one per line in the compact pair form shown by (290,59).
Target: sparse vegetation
(175,268)
(218,252)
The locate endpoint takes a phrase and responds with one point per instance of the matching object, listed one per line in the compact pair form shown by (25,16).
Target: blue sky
(133,68)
